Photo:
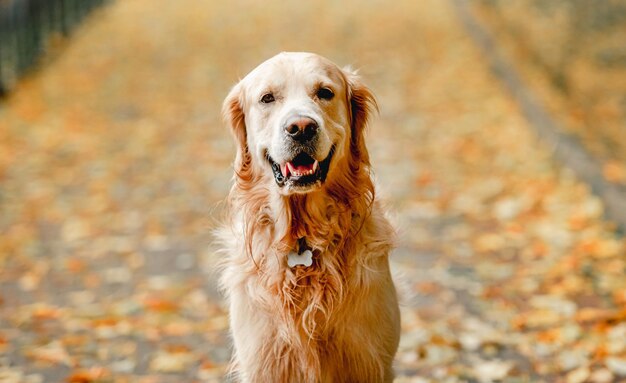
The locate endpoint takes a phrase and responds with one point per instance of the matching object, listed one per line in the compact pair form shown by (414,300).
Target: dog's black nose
(302,129)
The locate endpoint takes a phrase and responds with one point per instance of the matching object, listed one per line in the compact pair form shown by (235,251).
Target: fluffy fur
(338,320)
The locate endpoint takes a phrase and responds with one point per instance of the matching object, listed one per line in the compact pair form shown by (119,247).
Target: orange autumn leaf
(75,265)
(92,375)
(590,314)
(614,171)
(160,304)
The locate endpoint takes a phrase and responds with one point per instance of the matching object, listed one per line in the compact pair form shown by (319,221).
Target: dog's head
(298,119)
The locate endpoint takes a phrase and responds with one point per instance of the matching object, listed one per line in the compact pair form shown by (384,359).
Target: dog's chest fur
(305,297)
(311,295)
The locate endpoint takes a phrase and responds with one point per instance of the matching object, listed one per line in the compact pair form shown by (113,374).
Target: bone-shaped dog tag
(295,259)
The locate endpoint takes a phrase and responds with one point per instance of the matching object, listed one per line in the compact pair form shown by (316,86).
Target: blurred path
(566,147)
(113,163)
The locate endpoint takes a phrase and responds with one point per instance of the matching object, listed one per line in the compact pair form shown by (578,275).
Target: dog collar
(303,256)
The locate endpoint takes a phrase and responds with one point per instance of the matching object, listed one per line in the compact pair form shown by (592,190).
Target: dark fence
(27,27)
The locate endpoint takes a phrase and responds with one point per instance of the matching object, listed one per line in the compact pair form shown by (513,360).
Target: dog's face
(295,118)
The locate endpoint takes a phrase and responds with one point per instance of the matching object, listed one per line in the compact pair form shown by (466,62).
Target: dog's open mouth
(302,171)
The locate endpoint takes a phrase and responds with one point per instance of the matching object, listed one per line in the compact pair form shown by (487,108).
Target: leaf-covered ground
(114,163)
(572,54)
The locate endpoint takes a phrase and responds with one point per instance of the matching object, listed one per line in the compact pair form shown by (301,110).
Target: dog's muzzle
(301,171)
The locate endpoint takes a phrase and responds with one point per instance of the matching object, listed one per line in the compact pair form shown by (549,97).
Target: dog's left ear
(232,112)
(362,105)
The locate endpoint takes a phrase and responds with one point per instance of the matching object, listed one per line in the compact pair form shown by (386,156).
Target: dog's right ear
(232,112)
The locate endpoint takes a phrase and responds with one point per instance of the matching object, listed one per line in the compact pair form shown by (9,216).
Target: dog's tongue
(300,168)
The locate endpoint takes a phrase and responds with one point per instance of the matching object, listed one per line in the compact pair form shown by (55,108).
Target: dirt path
(113,163)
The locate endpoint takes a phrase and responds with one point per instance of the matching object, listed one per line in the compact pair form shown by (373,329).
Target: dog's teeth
(298,171)
(290,168)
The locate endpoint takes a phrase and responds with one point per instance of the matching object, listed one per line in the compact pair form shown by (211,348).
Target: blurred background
(573,56)
(114,165)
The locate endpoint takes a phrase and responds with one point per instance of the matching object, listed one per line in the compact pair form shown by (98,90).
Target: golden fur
(338,320)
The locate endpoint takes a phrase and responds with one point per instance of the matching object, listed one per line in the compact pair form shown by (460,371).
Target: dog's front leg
(249,328)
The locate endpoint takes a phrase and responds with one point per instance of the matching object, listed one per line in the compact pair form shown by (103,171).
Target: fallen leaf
(578,375)
(53,352)
(92,375)
(614,171)
(490,371)
(616,365)
(174,359)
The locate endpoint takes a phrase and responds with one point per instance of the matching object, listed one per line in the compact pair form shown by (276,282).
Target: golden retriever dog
(305,253)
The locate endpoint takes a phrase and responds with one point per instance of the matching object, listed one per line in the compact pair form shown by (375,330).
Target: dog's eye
(325,94)
(267,98)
